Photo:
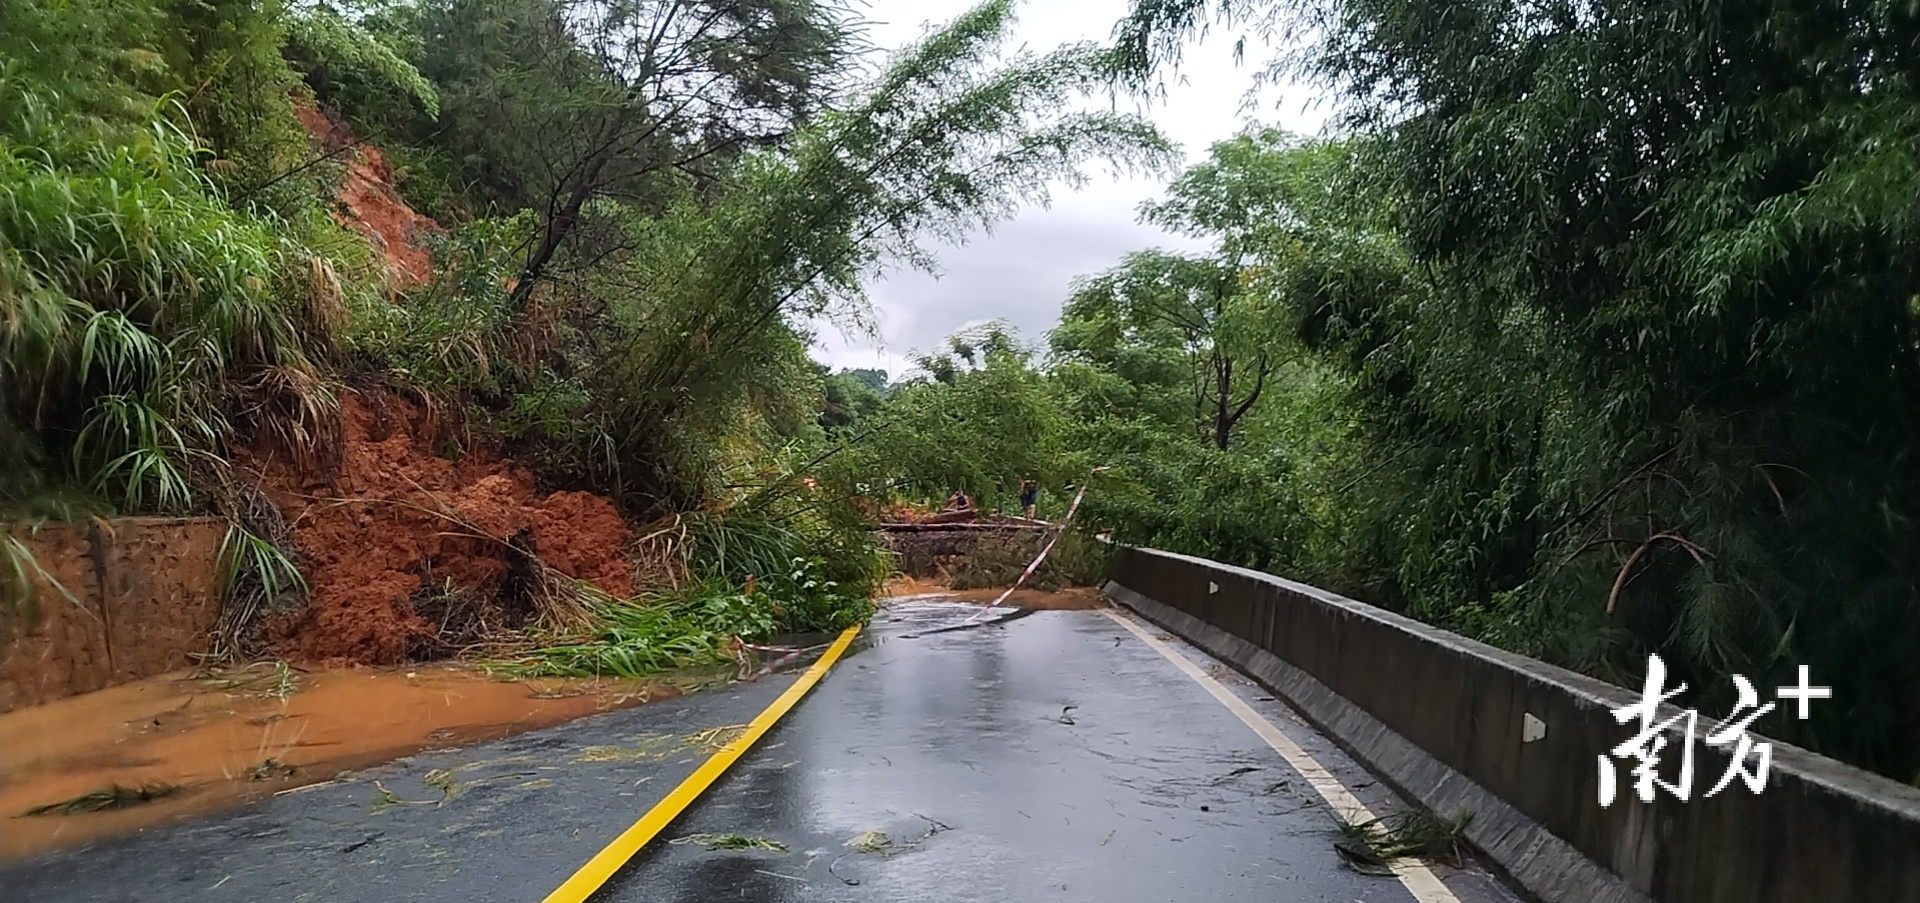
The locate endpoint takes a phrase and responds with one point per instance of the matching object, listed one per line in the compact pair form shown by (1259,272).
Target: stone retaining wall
(139,599)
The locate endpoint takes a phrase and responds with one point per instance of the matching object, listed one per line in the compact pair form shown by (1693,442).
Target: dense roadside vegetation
(1589,333)
(644,202)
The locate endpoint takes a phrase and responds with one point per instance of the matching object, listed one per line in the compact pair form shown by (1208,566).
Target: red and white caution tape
(741,649)
(739,644)
(1035,565)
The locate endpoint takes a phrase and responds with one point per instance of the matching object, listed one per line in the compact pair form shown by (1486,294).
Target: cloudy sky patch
(1020,271)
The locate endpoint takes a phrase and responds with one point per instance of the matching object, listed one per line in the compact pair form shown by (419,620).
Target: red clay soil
(903,513)
(373,207)
(396,518)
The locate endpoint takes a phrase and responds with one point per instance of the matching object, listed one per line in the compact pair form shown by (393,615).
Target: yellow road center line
(605,863)
(1418,879)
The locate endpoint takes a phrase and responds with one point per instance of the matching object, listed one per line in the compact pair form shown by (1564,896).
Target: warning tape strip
(1035,565)
(786,654)
(742,644)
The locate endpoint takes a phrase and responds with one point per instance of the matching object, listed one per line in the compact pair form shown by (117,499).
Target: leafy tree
(560,105)
(1654,388)
(952,135)
(979,416)
(875,380)
(365,70)
(1195,307)
(234,86)
(1138,356)
(852,396)
(1261,197)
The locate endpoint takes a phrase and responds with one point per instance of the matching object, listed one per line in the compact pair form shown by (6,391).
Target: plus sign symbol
(1803,693)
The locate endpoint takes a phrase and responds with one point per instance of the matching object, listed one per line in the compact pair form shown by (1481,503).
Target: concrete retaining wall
(1443,717)
(144,601)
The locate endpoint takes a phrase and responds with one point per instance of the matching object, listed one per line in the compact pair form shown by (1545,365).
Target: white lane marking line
(1418,879)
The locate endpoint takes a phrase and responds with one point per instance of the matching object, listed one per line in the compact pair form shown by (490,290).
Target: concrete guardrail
(1461,726)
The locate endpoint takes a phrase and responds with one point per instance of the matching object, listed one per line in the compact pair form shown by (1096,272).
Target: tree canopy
(1591,333)
(1625,295)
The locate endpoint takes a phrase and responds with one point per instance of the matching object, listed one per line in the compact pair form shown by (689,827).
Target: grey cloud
(1019,274)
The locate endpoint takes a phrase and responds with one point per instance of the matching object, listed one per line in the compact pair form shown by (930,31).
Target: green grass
(644,635)
(134,299)
(683,628)
(252,574)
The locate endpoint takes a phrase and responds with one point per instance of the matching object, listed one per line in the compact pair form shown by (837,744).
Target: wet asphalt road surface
(524,813)
(1055,757)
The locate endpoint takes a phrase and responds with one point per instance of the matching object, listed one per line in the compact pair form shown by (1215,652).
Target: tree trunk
(560,224)
(1223,409)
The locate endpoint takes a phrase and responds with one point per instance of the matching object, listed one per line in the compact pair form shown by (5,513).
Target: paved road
(1057,757)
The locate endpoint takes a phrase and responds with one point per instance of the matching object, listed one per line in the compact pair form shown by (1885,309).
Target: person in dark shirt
(959,501)
(1029,496)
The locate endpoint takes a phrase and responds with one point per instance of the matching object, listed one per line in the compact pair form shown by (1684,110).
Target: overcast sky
(1020,271)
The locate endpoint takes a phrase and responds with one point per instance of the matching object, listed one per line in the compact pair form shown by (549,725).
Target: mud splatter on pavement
(232,737)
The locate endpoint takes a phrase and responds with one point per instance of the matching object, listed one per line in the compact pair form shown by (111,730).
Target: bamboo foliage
(133,295)
(1637,358)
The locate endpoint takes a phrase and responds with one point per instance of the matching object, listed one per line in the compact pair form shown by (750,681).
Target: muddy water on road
(246,734)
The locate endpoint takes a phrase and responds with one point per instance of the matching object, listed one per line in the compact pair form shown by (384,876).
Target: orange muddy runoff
(232,737)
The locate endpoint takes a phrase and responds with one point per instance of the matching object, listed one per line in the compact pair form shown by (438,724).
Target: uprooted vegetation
(111,797)
(1075,559)
(473,351)
(732,842)
(1372,846)
(680,628)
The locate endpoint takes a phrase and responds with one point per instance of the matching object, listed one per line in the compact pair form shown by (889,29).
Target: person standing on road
(1029,497)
